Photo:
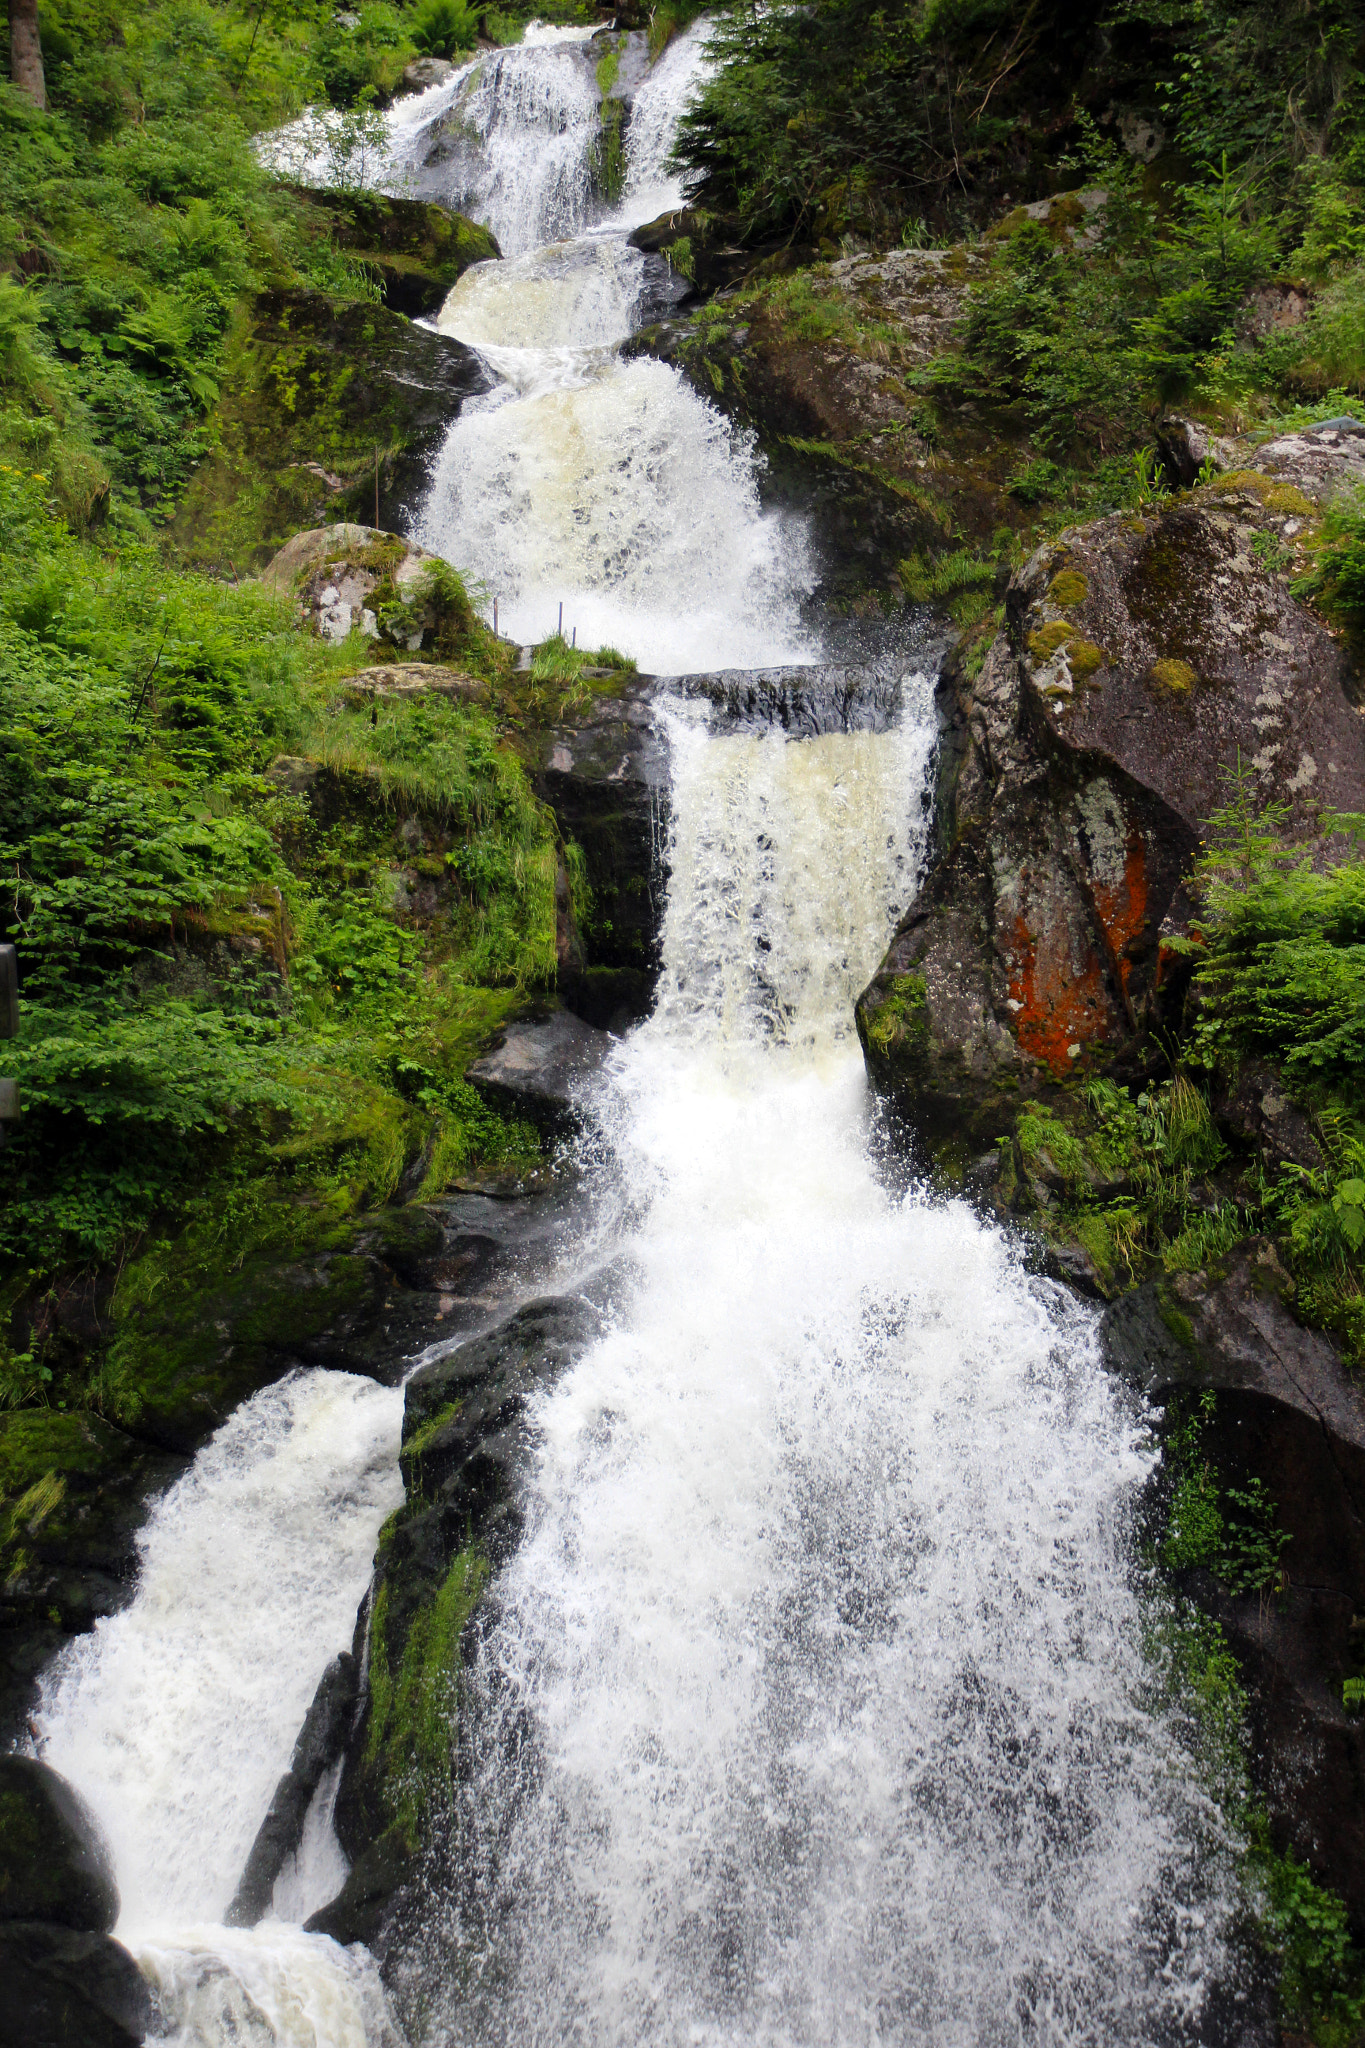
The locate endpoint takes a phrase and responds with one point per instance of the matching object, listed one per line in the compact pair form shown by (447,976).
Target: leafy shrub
(443,28)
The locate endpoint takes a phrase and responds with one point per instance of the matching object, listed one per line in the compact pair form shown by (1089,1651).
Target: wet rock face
(603,770)
(1287,1414)
(66,1990)
(543,1070)
(54,1862)
(1141,658)
(466,1446)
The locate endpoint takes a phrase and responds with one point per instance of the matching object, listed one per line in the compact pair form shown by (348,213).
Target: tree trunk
(26,50)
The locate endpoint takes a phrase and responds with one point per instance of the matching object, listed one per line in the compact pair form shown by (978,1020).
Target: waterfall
(609,486)
(177,1716)
(822,1651)
(814,1707)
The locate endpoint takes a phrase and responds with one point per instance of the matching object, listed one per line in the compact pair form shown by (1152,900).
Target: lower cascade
(816,1709)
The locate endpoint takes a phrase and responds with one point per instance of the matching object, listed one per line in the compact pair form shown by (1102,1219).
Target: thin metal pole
(561,619)
(495,618)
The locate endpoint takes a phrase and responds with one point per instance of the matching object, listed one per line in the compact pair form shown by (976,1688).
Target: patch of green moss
(423,1438)
(1276,497)
(1084,657)
(1044,643)
(1175,1319)
(414,1713)
(1174,675)
(1067,589)
(901,1019)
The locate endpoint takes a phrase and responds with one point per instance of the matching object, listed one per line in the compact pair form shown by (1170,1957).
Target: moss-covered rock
(325,407)
(417,249)
(465,1445)
(1142,658)
(68,1990)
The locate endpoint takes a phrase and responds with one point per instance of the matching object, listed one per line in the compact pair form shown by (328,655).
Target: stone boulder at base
(1141,657)
(60,1989)
(54,1862)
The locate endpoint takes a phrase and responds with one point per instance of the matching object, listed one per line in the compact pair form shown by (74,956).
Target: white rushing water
(177,1716)
(822,1640)
(611,487)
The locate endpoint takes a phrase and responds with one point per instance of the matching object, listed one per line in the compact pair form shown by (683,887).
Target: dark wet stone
(60,1989)
(54,1861)
(543,1071)
(320,1742)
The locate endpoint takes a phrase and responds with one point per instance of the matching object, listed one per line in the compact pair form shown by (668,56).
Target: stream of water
(814,1707)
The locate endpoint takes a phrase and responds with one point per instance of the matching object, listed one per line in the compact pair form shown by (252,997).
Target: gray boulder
(543,1070)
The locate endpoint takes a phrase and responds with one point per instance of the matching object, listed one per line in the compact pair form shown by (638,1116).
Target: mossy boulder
(325,406)
(351,578)
(1142,657)
(54,1862)
(417,249)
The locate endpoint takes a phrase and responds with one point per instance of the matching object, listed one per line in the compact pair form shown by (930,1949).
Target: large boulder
(351,578)
(542,1070)
(60,1989)
(1142,657)
(54,1862)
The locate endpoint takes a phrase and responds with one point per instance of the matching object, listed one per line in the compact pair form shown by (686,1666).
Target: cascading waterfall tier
(816,1710)
(176,1716)
(610,487)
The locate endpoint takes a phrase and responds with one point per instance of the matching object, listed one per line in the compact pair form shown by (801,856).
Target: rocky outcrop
(543,1071)
(321,1740)
(828,371)
(1285,1414)
(65,1981)
(349,578)
(362,1295)
(1142,657)
(466,1443)
(600,762)
(327,407)
(416,249)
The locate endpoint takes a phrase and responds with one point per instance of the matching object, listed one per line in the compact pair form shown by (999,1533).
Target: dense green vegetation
(236,1026)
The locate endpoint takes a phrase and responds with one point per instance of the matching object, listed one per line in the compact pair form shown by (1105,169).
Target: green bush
(443,28)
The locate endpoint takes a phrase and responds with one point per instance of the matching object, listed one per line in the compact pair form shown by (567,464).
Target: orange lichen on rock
(1121,907)
(1055,1007)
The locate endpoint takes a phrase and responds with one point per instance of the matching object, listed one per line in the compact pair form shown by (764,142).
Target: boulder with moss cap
(1142,657)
